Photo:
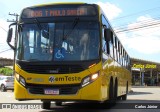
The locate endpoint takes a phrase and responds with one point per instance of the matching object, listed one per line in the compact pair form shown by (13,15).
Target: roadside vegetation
(6,71)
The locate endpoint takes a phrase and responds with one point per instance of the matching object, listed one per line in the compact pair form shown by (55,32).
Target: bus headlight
(89,79)
(20,79)
(94,76)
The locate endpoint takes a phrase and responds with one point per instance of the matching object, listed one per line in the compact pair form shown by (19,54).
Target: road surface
(138,101)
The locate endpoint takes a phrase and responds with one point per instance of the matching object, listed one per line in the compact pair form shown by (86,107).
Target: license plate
(51,91)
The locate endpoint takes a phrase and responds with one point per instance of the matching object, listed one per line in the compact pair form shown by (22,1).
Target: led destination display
(58,11)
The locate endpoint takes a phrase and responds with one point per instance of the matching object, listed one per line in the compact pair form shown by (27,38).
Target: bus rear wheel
(116,90)
(111,93)
(124,97)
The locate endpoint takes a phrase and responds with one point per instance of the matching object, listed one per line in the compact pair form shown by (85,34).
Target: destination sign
(60,11)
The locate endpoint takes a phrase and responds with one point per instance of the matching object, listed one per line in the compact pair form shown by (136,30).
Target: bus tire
(107,104)
(116,90)
(124,97)
(58,103)
(111,94)
(46,105)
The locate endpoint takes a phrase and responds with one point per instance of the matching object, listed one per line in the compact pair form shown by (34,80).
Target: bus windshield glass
(58,41)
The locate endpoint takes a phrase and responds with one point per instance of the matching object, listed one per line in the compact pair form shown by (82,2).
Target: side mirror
(108,34)
(9,36)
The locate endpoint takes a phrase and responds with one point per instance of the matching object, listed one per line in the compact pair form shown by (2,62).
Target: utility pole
(15,15)
(16,34)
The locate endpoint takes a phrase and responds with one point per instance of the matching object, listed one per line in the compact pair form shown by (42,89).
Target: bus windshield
(58,41)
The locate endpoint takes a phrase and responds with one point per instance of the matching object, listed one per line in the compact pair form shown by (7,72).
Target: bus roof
(59,3)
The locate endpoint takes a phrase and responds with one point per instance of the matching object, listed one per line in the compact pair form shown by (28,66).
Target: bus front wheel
(46,105)
(58,103)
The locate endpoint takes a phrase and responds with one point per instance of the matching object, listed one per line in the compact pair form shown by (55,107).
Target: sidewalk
(144,93)
(145,87)
(134,87)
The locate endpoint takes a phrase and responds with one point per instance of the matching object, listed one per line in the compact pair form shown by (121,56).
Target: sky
(135,22)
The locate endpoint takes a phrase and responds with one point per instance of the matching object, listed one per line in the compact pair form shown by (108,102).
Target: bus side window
(104,43)
(105,48)
(125,59)
(111,49)
(118,50)
(107,42)
(108,48)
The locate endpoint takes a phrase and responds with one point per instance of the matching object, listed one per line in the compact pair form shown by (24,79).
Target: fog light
(86,81)
(20,79)
(89,79)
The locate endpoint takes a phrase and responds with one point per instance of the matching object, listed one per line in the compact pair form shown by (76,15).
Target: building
(145,73)
(6,62)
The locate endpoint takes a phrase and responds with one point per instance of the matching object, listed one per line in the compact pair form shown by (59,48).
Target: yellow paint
(144,66)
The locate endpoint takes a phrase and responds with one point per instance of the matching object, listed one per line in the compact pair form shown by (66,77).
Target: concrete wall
(6,62)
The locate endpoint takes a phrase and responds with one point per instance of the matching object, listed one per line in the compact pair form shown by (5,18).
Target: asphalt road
(138,101)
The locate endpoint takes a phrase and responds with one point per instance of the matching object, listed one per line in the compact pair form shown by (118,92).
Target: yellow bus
(68,52)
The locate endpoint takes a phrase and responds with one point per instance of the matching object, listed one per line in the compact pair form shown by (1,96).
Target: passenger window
(104,46)
(111,49)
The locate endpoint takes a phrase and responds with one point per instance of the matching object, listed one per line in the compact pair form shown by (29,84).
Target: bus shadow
(93,107)
(139,93)
(79,107)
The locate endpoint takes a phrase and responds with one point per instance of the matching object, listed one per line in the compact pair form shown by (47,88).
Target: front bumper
(72,92)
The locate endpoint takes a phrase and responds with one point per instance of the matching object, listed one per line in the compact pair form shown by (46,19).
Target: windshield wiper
(38,23)
(75,22)
(44,32)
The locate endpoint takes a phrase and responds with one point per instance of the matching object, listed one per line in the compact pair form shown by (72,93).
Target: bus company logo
(51,79)
(64,78)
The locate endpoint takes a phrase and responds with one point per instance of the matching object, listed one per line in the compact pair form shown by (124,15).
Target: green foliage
(6,71)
